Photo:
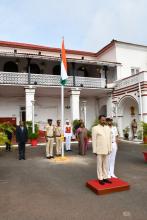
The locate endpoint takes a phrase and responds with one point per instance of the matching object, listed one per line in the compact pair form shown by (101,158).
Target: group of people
(55,132)
(104,143)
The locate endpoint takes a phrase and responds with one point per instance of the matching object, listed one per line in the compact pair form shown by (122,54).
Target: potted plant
(33,138)
(144,125)
(32,135)
(126,132)
(3,136)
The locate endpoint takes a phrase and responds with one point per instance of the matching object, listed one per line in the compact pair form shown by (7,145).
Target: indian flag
(63,66)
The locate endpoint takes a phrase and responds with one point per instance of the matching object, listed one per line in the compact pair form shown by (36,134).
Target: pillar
(84,111)
(109,105)
(30,93)
(74,103)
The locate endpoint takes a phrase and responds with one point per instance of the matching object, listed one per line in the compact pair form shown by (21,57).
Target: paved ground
(40,189)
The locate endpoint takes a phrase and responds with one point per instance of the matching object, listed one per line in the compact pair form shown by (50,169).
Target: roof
(58,50)
(43,48)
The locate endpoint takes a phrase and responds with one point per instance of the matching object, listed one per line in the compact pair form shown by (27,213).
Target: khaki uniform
(58,133)
(101,143)
(50,140)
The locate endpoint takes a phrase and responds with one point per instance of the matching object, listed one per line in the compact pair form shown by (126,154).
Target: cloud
(86,25)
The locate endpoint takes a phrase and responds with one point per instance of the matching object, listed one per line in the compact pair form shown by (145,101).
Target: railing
(129,81)
(49,80)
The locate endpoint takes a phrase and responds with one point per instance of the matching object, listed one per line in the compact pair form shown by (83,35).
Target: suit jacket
(21,135)
(101,139)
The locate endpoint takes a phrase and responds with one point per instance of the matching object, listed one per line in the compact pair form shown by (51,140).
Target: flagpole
(62,116)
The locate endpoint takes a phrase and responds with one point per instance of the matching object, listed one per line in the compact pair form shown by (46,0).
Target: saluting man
(49,139)
(101,143)
(58,134)
(112,156)
(67,135)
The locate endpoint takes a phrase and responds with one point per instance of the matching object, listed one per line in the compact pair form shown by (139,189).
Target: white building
(105,82)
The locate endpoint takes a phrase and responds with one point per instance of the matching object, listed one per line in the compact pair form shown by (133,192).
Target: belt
(50,136)
(58,135)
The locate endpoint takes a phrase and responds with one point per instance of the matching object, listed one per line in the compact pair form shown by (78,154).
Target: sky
(86,25)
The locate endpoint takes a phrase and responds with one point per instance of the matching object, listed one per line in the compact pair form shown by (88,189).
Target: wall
(130,56)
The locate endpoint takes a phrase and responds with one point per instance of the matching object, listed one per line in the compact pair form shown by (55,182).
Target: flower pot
(145,140)
(145,156)
(34,142)
(126,136)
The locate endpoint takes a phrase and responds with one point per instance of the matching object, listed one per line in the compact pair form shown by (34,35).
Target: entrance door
(22,114)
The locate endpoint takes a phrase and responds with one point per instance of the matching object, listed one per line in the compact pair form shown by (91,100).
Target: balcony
(12,78)
(131,80)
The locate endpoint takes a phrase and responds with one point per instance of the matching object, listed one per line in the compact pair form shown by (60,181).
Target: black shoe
(101,182)
(51,156)
(106,181)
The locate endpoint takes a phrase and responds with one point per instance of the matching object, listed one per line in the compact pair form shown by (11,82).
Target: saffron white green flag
(63,66)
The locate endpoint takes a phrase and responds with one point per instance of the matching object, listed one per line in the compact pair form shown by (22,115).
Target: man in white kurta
(112,156)
(101,143)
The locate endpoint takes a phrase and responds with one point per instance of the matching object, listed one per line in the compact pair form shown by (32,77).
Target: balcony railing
(49,80)
(129,81)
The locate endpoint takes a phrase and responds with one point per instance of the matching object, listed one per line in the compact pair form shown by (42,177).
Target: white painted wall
(10,107)
(130,56)
(109,55)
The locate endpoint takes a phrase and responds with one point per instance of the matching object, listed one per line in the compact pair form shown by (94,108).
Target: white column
(30,93)
(74,103)
(84,111)
(109,105)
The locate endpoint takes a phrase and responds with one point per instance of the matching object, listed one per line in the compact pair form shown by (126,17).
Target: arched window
(10,67)
(34,68)
(57,70)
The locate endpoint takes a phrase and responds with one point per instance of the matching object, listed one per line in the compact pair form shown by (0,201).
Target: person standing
(67,135)
(58,134)
(101,144)
(112,155)
(49,139)
(82,138)
(21,139)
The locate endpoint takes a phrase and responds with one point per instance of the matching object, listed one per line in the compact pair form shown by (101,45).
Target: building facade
(111,81)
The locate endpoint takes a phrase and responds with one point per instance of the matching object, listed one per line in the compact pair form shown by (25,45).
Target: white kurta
(101,139)
(101,143)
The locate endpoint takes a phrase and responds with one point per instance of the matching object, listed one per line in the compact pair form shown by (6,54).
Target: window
(10,67)
(134,70)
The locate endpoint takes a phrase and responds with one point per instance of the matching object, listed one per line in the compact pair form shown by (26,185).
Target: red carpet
(117,185)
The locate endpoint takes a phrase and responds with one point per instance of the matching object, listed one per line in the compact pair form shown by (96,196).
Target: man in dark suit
(21,138)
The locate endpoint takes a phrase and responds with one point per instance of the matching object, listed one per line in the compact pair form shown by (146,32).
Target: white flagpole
(62,116)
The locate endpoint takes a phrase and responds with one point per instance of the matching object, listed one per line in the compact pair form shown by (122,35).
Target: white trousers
(102,166)
(111,159)
(68,140)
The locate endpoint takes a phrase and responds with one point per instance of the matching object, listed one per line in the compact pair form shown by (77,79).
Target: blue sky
(85,24)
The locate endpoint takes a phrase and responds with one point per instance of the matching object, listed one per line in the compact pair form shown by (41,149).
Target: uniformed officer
(50,139)
(58,134)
